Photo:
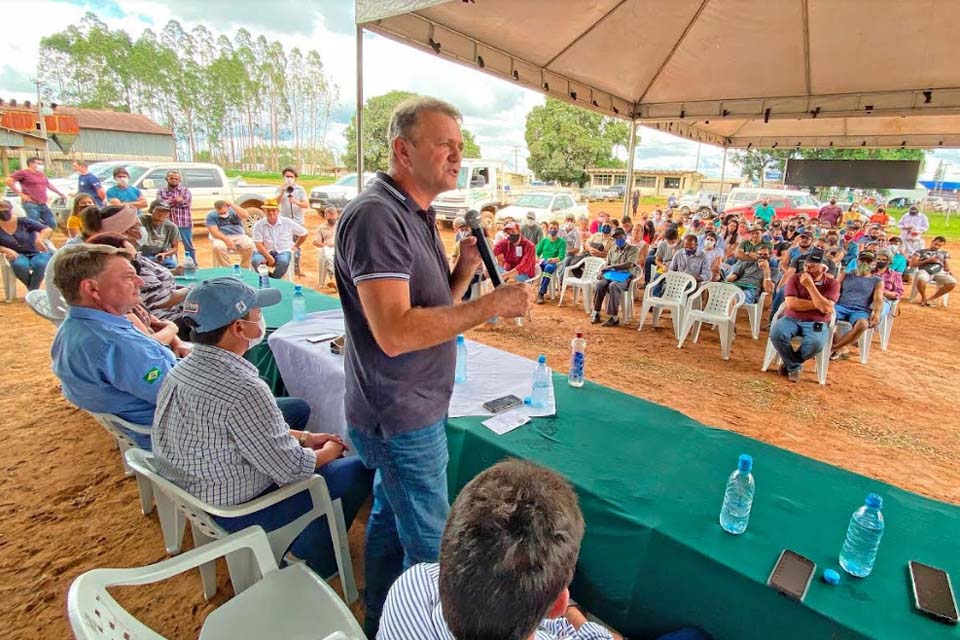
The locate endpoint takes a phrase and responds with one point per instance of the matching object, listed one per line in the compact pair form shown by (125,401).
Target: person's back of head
(671,235)
(508,551)
(91,219)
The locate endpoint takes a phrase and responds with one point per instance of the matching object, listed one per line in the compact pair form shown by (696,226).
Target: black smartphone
(932,592)
(502,404)
(792,574)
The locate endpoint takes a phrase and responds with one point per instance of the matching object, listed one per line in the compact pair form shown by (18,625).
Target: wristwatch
(303,438)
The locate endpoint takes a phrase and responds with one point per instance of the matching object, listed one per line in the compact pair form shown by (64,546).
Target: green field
(265,177)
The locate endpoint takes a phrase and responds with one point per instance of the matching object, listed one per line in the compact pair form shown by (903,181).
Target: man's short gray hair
(406,115)
(80,262)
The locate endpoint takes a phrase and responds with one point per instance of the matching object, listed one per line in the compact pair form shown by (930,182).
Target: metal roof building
(116,135)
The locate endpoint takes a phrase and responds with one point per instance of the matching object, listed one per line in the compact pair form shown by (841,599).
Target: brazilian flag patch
(152,375)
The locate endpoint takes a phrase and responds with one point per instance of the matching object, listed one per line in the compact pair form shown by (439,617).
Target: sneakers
(782,370)
(794,376)
(539,298)
(595,318)
(611,322)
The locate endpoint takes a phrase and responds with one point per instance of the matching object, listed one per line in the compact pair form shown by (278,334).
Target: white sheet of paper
(506,422)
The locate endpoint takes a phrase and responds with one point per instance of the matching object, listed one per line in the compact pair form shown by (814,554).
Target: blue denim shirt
(106,366)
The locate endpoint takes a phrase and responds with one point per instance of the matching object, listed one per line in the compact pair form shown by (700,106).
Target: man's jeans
(30,269)
(40,213)
(186,237)
(548,268)
(410,506)
(282,259)
(785,329)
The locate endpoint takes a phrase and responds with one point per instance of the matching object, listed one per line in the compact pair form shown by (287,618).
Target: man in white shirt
(275,238)
(913,220)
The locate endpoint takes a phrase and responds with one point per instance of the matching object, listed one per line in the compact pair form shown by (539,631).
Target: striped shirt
(179,212)
(158,284)
(413,610)
(218,433)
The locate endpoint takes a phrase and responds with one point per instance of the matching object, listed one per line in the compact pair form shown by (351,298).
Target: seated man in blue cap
(220,435)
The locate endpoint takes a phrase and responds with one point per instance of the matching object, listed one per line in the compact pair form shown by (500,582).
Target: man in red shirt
(831,213)
(809,298)
(516,255)
(32,184)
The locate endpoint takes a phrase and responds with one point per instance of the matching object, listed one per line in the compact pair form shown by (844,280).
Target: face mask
(605,229)
(881,266)
(621,242)
(554,232)
(709,244)
(40,168)
(514,237)
(123,182)
(569,226)
(289,181)
(6,215)
(262,323)
(690,252)
(142,240)
(224,214)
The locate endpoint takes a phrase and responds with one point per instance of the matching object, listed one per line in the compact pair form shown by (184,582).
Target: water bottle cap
(542,359)
(460,339)
(579,333)
(831,577)
(297,288)
(874,500)
(528,400)
(745,463)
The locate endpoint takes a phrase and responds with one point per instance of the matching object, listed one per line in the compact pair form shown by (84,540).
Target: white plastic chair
(885,326)
(323,264)
(10,278)
(118,427)
(39,303)
(863,342)
(585,283)
(755,314)
(292,602)
(206,529)
(677,287)
(821,360)
(723,301)
(914,292)
(626,301)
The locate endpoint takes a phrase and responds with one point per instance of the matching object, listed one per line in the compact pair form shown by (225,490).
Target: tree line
(243,102)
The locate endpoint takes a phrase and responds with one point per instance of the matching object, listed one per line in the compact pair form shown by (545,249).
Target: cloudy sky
(493,109)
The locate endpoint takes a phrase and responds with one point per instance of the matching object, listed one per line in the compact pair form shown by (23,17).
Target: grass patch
(938,224)
(274,178)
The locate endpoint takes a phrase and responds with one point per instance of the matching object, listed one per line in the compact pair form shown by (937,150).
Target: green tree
(754,163)
(565,140)
(376,147)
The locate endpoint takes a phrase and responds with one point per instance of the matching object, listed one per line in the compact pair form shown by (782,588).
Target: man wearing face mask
(124,193)
(714,253)
(104,364)
(516,255)
(32,185)
(225,226)
(550,251)
(692,261)
(898,261)
(860,303)
(892,281)
(220,435)
(614,279)
(531,229)
(572,237)
(292,197)
(22,243)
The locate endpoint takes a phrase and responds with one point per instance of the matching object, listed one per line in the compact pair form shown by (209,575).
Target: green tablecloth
(650,482)
(277,315)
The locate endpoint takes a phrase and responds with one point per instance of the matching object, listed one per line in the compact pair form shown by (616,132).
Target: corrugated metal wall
(98,143)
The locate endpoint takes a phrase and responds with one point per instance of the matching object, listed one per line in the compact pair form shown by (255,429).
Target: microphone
(473,221)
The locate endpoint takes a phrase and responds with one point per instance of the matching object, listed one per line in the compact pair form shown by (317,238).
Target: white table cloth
(312,372)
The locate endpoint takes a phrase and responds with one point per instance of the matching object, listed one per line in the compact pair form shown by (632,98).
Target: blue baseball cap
(216,303)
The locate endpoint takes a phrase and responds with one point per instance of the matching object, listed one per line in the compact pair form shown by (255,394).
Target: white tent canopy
(734,73)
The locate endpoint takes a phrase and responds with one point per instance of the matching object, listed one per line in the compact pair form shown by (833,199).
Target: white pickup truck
(483,185)
(546,206)
(207,183)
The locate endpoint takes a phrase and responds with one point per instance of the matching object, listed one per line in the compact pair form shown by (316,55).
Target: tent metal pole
(628,185)
(359,131)
(723,174)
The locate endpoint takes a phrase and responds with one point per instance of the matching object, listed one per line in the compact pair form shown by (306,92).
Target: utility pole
(699,146)
(516,158)
(43,127)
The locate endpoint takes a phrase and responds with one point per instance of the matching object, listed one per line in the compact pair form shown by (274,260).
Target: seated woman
(74,225)
(163,331)
(22,243)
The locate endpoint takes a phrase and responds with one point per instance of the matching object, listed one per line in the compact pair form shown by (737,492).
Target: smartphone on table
(932,592)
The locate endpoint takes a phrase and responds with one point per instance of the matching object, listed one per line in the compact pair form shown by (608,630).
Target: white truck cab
(483,185)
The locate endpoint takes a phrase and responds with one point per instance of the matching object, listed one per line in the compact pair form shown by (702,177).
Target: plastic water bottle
(540,397)
(578,346)
(264,273)
(236,272)
(189,268)
(461,373)
(299,304)
(738,498)
(863,538)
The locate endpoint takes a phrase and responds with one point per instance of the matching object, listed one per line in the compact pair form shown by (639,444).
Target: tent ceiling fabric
(727,72)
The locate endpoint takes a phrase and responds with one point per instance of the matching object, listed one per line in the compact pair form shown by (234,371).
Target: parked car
(617,190)
(207,183)
(546,205)
(786,207)
(692,202)
(340,192)
(596,194)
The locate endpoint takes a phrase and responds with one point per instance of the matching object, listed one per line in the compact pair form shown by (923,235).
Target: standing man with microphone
(398,291)
(293,200)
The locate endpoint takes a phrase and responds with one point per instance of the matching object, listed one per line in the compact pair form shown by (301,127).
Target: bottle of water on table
(540,397)
(578,347)
(299,304)
(859,550)
(461,372)
(264,274)
(189,268)
(236,271)
(738,497)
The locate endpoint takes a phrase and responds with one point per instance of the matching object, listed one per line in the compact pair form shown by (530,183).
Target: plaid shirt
(179,213)
(218,433)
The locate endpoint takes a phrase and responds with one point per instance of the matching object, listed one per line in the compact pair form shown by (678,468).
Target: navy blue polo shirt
(383,233)
(88,184)
(229,225)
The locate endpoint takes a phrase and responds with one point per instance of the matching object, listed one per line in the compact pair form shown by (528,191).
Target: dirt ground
(66,506)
